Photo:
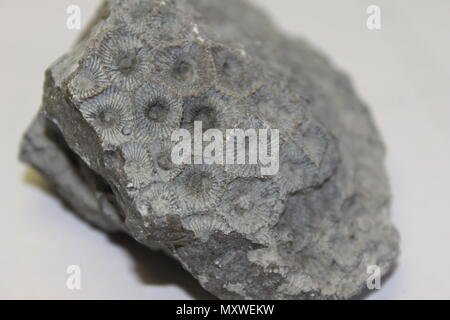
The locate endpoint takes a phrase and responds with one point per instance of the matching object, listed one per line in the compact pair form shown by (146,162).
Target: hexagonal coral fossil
(157,200)
(185,67)
(148,67)
(109,114)
(252,204)
(172,23)
(302,157)
(161,155)
(213,109)
(205,224)
(237,74)
(242,165)
(200,187)
(90,80)
(137,166)
(158,112)
(136,14)
(274,103)
(125,59)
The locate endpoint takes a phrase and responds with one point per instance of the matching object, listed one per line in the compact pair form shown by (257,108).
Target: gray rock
(145,68)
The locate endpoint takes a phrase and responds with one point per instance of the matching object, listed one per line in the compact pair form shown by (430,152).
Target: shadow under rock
(157,268)
(152,267)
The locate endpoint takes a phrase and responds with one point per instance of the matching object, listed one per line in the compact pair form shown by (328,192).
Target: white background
(402,71)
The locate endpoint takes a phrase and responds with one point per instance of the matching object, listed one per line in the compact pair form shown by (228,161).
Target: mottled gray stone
(145,68)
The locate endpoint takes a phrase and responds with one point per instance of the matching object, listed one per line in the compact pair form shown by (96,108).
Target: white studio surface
(402,71)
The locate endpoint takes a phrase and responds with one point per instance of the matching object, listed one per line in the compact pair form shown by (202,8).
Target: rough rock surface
(145,68)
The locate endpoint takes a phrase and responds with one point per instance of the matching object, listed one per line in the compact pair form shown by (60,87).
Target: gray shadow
(151,267)
(157,268)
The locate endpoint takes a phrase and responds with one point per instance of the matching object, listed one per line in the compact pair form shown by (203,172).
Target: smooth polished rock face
(146,68)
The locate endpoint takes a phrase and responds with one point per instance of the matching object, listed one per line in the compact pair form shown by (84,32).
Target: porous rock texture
(145,68)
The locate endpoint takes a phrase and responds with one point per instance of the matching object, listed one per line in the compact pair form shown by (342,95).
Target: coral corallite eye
(125,59)
(157,111)
(109,114)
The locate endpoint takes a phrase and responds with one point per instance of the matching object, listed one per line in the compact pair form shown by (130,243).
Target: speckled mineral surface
(146,68)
